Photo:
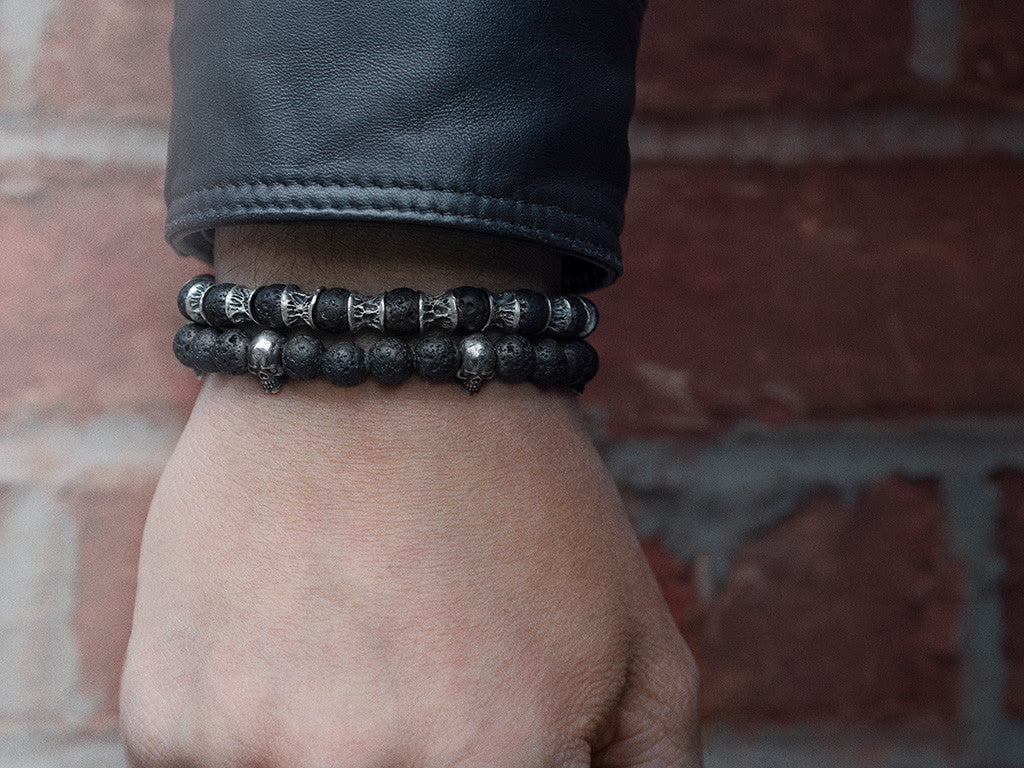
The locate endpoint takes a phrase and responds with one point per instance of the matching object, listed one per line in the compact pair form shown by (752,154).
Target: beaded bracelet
(402,311)
(472,359)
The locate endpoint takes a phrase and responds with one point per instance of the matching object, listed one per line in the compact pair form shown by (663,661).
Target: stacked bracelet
(401,311)
(472,358)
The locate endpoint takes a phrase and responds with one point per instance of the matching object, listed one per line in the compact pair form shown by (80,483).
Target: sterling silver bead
(194,301)
(365,313)
(236,305)
(296,307)
(561,316)
(507,310)
(478,362)
(439,311)
(591,317)
(265,360)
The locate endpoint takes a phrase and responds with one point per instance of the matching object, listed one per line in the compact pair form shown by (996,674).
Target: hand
(397,577)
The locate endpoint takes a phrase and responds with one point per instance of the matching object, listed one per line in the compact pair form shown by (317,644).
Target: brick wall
(812,392)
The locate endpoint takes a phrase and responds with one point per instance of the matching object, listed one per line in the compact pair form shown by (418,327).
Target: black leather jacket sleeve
(506,117)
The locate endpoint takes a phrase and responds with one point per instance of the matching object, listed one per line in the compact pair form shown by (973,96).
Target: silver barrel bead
(365,313)
(193,304)
(441,311)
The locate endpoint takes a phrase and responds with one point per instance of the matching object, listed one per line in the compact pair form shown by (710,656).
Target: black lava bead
(534,311)
(266,306)
(437,356)
(390,361)
(402,311)
(215,305)
(579,357)
(231,352)
(183,293)
(579,318)
(474,308)
(551,363)
(515,358)
(183,340)
(330,313)
(203,350)
(344,364)
(300,356)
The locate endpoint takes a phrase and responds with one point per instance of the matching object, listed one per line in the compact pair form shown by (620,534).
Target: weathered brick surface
(1011,547)
(732,53)
(836,613)
(107,59)
(109,507)
(88,295)
(844,291)
(992,60)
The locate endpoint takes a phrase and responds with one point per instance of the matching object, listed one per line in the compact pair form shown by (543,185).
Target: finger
(657,724)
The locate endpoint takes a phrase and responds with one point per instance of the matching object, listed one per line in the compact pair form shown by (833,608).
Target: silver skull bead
(265,360)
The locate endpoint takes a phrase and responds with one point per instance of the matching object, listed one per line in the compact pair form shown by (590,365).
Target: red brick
(822,291)
(88,295)
(1011,547)
(110,509)
(734,53)
(841,614)
(107,59)
(992,60)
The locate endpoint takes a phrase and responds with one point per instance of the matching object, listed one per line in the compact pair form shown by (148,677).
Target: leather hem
(591,247)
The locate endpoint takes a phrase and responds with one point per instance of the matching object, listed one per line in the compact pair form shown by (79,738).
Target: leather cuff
(507,118)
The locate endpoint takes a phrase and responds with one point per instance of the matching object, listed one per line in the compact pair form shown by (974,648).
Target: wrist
(376,258)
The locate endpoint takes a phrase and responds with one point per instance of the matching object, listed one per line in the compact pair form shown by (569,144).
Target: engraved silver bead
(237,305)
(365,313)
(439,311)
(591,323)
(194,301)
(507,311)
(265,360)
(561,316)
(296,307)
(478,362)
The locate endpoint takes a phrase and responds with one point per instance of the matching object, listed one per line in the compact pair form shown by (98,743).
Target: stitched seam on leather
(284,183)
(184,218)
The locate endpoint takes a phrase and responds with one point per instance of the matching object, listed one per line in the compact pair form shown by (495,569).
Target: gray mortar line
(935,50)
(854,134)
(102,144)
(42,451)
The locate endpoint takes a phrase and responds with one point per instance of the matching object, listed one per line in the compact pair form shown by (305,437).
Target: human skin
(396,576)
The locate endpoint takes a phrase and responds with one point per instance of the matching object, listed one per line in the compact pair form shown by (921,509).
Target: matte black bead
(515,358)
(437,356)
(301,356)
(578,357)
(402,311)
(534,311)
(590,371)
(579,318)
(183,341)
(344,364)
(203,349)
(331,311)
(390,361)
(215,305)
(266,306)
(231,352)
(473,306)
(551,363)
(183,293)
